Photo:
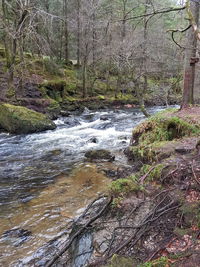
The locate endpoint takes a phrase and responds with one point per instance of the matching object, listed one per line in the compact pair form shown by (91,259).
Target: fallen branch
(52,261)
(141,180)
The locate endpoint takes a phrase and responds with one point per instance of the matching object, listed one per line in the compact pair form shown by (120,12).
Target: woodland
(91,174)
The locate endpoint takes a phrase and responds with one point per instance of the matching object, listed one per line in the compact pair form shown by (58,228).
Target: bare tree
(193,8)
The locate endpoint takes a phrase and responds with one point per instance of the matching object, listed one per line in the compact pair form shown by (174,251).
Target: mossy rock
(57,85)
(156,138)
(53,109)
(54,89)
(163,127)
(152,152)
(100,154)
(20,120)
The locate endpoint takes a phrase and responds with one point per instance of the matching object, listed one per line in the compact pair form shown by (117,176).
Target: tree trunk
(78,32)
(84,78)
(190,59)
(66,32)
(144,67)
(94,37)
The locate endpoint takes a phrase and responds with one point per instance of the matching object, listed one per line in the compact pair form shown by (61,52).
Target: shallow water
(44,181)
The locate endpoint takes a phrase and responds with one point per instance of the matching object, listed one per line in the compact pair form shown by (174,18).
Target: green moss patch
(119,261)
(161,262)
(123,186)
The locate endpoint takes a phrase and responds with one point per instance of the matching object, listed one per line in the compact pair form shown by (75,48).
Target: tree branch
(162,11)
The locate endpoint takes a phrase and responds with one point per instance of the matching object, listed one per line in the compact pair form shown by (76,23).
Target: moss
(54,109)
(101,97)
(155,174)
(55,88)
(123,186)
(28,55)
(69,99)
(57,84)
(17,119)
(119,261)
(43,91)
(153,152)
(44,66)
(70,74)
(155,138)
(158,129)
(2,52)
(11,93)
(161,262)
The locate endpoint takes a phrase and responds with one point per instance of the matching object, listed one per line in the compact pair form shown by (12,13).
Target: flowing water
(45,182)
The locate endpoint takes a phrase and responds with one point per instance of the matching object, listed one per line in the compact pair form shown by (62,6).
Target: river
(45,181)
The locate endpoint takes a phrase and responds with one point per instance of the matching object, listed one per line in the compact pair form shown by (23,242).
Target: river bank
(154,215)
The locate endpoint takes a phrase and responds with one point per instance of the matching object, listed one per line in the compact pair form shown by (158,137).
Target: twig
(182,31)
(141,180)
(161,247)
(52,261)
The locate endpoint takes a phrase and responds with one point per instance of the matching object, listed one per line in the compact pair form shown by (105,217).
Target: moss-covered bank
(158,137)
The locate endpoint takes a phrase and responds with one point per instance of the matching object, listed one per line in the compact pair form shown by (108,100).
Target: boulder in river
(20,120)
(100,154)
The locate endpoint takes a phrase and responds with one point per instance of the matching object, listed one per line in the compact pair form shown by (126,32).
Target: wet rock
(123,138)
(89,117)
(64,113)
(71,122)
(100,154)
(106,117)
(20,120)
(16,236)
(102,126)
(93,140)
